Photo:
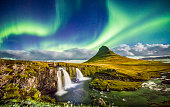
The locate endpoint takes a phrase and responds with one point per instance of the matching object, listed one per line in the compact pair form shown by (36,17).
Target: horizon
(136,51)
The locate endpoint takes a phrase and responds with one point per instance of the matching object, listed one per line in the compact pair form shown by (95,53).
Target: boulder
(101,102)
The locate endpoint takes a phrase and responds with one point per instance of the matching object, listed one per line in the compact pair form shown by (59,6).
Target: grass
(108,85)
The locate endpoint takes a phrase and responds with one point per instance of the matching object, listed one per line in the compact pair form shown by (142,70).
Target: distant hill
(155,58)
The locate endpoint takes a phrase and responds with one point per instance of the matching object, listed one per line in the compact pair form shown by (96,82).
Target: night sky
(57,25)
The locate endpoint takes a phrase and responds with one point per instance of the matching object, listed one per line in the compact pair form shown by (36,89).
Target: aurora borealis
(57,25)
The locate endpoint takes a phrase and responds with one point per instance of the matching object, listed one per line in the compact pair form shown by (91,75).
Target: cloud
(138,49)
(72,54)
(123,50)
(143,50)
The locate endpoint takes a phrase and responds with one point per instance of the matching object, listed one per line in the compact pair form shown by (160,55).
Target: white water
(79,75)
(67,80)
(59,81)
(60,90)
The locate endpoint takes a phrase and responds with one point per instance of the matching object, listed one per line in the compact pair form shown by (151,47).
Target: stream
(153,92)
(76,95)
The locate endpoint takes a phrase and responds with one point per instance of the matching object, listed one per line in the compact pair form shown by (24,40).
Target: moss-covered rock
(107,85)
(26,80)
(11,91)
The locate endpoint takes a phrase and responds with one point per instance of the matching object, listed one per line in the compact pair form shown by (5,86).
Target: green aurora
(121,25)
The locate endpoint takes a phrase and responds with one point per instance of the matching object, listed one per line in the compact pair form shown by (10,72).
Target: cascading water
(79,75)
(59,81)
(60,90)
(67,80)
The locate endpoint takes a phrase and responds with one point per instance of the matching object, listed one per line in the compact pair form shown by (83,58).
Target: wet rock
(167,89)
(167,75)
(166,78)
(166,81)
(123,99)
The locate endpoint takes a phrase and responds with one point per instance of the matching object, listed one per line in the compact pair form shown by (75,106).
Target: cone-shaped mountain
(105,54)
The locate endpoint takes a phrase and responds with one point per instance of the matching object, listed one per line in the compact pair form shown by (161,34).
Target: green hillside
(119,70)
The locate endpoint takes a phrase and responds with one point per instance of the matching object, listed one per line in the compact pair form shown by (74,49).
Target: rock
(1,93)
(101,102)
(139,74)
(111,70)
(107,88)
(166,75)
(123,99)
(167,89)
(14,67)
(166,81)
(26,79)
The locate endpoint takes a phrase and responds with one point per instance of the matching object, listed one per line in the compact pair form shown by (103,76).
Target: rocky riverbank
(34,80)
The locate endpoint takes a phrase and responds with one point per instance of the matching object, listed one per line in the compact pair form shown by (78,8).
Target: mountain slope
(122,73)
(137,69)
(105,55)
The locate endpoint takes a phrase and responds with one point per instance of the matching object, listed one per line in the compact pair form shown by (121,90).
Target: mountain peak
(105,55)
(104,48)
(103,52)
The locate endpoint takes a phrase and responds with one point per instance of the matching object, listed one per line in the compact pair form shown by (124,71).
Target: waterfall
(59,81)
(67,80)
(79,75)
(60,90)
